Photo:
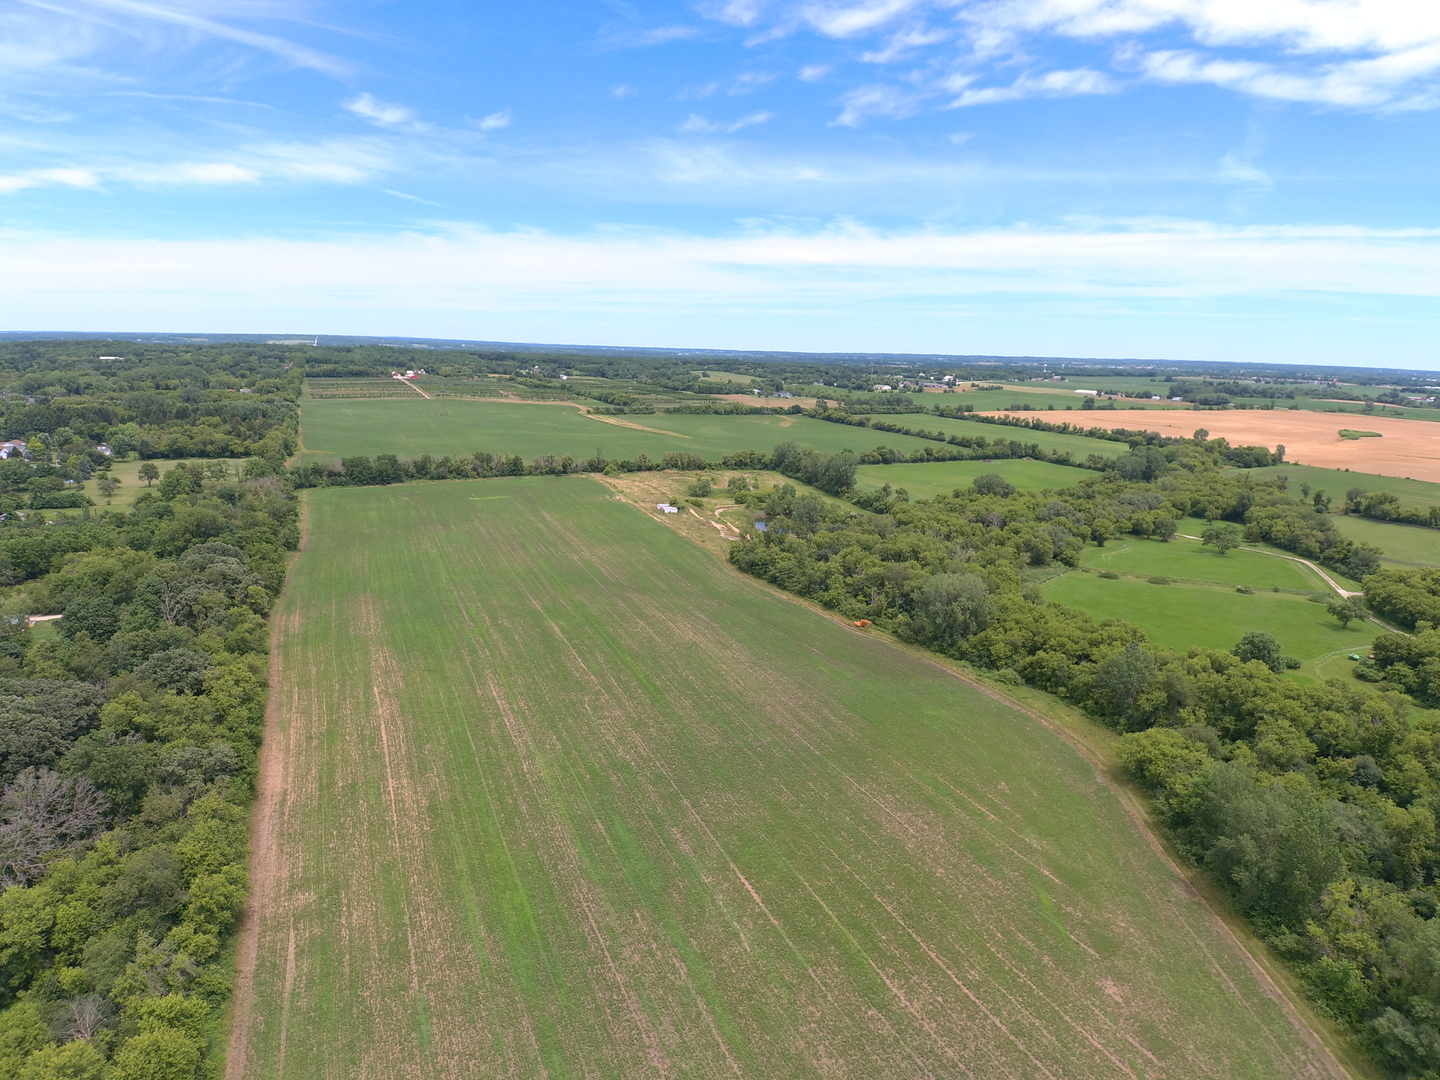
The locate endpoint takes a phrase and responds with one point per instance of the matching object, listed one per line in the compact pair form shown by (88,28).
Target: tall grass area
(553,792)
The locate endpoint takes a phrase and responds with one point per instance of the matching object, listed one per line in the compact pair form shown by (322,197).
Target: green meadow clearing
(925,480)
(1336,482)
(1403,545)
(411,427)
(1178,616)
(550,791)
(1189,560)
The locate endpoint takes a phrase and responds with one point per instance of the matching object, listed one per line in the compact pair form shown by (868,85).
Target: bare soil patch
(1406,448)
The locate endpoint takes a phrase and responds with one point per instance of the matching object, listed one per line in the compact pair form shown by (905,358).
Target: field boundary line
(1277,983)
(268,786)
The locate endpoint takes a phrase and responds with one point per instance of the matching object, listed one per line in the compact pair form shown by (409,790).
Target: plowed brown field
(550,793)
(1409,448)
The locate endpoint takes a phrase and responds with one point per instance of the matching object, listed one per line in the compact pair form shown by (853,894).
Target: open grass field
(1403,545)
(409,428)
(925,480)
(1189,560)
(1179,616)
(1406,448)
(549,791)
(1078,445)
(1338,481)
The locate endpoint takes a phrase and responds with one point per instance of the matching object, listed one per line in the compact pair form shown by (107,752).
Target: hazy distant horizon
(402,341)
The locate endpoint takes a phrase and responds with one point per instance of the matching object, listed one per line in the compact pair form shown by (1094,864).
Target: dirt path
(1291,558)
(1274,979)
(265,878)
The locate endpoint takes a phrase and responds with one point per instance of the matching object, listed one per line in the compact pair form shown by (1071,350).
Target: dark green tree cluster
(158,401)
(128,749)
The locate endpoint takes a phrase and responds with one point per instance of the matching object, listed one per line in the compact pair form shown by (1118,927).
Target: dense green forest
(1313,805)
(129,730)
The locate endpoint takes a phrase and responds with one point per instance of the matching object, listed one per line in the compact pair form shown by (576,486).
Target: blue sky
(1217,179)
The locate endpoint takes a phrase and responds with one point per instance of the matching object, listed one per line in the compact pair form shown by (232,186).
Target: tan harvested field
(548,791)
(1407,448)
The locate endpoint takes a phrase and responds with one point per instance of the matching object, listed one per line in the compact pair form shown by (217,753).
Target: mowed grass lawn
(1403,545)
(411,427)
(924,480)
(1178,616)
(552,792)
(1193,561)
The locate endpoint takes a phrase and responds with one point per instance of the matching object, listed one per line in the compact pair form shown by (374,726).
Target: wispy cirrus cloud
(1050,84)
(383,113)
(96,24)
(1357,54)
(696,124)
(870,102)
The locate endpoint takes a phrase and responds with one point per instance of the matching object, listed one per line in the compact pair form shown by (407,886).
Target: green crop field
(340,428)
(1079,446)
(1338,481)
(1403,545)
(925,480)
(1178,616)
(552,792)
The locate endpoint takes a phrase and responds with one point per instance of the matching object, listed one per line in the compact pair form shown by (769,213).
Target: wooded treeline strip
(128,749)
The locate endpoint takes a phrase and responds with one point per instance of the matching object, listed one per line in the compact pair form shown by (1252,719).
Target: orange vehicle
(862,623)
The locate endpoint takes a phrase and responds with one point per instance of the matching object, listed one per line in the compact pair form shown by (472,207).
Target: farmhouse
(13,447)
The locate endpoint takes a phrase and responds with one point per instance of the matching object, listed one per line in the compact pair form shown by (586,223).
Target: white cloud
(34,178)
(1051,84)
(696,124)
(903,44)
(1375,82)
(814,72)
(199,172)
(852,20)
(382,113)
(867,102)
(93,25)
(1364,54)
(494,121)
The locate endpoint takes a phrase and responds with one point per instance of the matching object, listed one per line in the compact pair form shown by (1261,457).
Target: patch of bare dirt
(1406,448)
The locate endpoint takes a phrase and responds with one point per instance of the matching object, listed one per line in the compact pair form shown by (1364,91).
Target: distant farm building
(14,447)
(1086,393)
(667,508)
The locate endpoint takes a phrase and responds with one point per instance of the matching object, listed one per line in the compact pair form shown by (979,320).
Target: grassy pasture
(552,792)
(1337,482)
(1192,561)
(1403,545)
(409,428)
(1078,445)
(924,480)
(1179,616)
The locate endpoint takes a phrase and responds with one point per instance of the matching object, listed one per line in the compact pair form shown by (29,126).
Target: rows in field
(552,792)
